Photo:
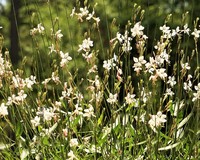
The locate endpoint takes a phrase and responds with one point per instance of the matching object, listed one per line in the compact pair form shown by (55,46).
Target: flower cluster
(197,93)
(39,29)
(104,107)
(112,98)
(84,14)
(126,40)
(86,45)
(110,63)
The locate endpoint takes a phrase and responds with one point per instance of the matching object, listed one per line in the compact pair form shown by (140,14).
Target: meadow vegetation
(112,93)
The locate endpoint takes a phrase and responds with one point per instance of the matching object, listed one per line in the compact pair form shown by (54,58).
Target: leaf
(165,136)
(53,128)
(45,140)
(140,143)
(184,121)
(19,129)
(169,147)
(100,120)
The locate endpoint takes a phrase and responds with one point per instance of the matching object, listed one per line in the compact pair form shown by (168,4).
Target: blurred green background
(18,17)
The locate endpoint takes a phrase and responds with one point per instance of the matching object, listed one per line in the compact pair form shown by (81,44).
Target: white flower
(153,78)
(79,96)
(160,46)
(165,56)
(119,74)
(144,95)
(73,12)
(78,110)
(36,121)
(197,93)
(108,64)
(58,35)
(90,16)
(94,69)
(185,66)
(140,60)
(97,82)
(159,60)
(126,46)
(73,142)
(88,56)
(137,30)
(65,58)
(189,77)
(171,81)
(37,157)
(156,121)
(98,96)
(47,113)
(196,33)
(24,154)
(138,63)
(84,12)
(71,155)
(89,112)
(65,132)
(175,31)
(151,65)
(130,98)
(169,92)
(186,29)
(187,86)
(17,99)
(126,41)
(141,118)
(165,29)
(18,82)
(46,81)
(40,28)
(161,73)
(52,49)
(30,81)
(97,19)
(3,110)
(55,77)
(85,46)
(120,37)
(112,98)
(140,157)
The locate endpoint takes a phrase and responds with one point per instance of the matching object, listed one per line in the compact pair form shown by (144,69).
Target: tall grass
(75,103)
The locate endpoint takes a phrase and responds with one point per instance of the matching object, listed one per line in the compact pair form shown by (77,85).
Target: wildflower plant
(133,104)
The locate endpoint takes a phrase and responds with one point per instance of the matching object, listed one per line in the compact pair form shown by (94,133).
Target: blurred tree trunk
(14,37)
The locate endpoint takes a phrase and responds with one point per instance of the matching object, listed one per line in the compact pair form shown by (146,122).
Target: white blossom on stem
(197,93)
(3,109)
(157,120)
(112,98)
